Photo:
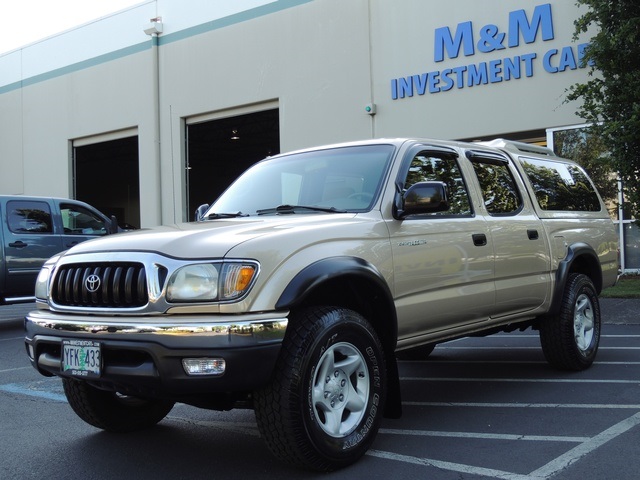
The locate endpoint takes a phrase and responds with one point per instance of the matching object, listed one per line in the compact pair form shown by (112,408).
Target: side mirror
(200,211)
(424,197)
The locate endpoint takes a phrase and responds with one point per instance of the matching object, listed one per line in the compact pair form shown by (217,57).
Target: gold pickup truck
(297,289)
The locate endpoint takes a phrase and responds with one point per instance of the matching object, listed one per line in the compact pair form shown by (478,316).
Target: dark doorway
(220,150)
(106,175)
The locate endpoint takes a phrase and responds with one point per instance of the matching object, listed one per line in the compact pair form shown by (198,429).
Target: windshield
(345,179)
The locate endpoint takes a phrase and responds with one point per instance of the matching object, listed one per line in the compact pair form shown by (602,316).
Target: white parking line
(517,380)
(513,349)
(509,362)
(21,390)
(14,369)
(454,467)
(484,436)
(585,448)
(590,406)
(13,339)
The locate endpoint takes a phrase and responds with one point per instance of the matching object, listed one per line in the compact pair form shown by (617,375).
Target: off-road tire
(570,339)
(323,406)
(111,411)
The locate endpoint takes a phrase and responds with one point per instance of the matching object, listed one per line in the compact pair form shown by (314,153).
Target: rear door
(522,262)
(29,241)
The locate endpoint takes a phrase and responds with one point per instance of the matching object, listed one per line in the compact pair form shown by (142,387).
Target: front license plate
(81,358)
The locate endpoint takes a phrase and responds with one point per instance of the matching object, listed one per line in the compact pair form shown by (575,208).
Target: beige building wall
(320,62)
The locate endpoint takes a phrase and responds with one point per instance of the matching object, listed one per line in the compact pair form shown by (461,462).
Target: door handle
(532,234)
(72,244)
(18,244)
(479,239)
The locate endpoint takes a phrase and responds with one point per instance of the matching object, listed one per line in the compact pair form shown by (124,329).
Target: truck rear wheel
(324,404)
(570,339)
(111,411)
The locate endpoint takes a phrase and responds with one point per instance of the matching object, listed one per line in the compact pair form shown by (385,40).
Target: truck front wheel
(323,407)
(570,339)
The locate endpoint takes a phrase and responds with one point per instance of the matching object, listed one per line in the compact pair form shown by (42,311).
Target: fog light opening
(204,366)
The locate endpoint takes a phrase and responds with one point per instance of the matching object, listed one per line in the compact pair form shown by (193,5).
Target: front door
(443,262)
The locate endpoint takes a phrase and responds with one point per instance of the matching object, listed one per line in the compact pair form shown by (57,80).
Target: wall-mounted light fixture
(234,135)
(154,27)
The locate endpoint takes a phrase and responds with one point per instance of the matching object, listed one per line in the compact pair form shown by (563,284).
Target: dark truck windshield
(346,179)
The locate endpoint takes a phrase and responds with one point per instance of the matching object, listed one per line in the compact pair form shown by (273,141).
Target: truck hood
(210,239)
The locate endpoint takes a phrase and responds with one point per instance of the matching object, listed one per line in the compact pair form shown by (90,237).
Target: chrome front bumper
(143,355)
(173,331)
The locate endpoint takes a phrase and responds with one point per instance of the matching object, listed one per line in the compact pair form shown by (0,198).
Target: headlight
(208,282)
(42,282)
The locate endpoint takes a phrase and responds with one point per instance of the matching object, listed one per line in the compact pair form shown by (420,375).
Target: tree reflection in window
(428,168)
(561,186)
(501,196)
(29,217)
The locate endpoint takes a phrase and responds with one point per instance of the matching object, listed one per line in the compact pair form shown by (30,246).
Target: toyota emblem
(92,283)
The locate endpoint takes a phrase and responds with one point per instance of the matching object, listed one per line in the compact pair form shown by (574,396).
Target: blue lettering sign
(434,80)
(490,39)
(582,50)
(528,63)
(546,60)
(495,69)
(567,60)
(519,25)
(447,81)
(405,87)
(444,41)
(511,68)
(477,74)
(528,28)
(420,83)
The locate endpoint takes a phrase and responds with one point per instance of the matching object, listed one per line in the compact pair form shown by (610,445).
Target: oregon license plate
(81,358)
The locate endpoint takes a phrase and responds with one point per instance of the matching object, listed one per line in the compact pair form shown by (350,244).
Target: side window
(561,186)
(78,220)
(425,167)
(29,217)
(499,190)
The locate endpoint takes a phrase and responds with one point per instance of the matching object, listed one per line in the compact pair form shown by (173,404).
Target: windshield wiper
(215,216)
(293,208)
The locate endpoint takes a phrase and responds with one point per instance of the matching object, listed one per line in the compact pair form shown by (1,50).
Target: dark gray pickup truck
(33,229)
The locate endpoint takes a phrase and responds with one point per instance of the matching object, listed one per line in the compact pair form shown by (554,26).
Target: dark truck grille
(112,285)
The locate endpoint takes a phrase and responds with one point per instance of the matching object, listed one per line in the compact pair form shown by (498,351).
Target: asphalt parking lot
(477,408)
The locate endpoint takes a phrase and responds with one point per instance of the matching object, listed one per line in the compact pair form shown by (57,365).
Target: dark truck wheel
(570,339)
(111,411)
(324,405)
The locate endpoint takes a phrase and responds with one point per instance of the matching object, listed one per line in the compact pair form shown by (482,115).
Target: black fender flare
(327,269)
(575,252)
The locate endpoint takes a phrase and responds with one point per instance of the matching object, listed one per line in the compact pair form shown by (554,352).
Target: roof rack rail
(519,147)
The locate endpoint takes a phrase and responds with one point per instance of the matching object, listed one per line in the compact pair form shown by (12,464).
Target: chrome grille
(110,285)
